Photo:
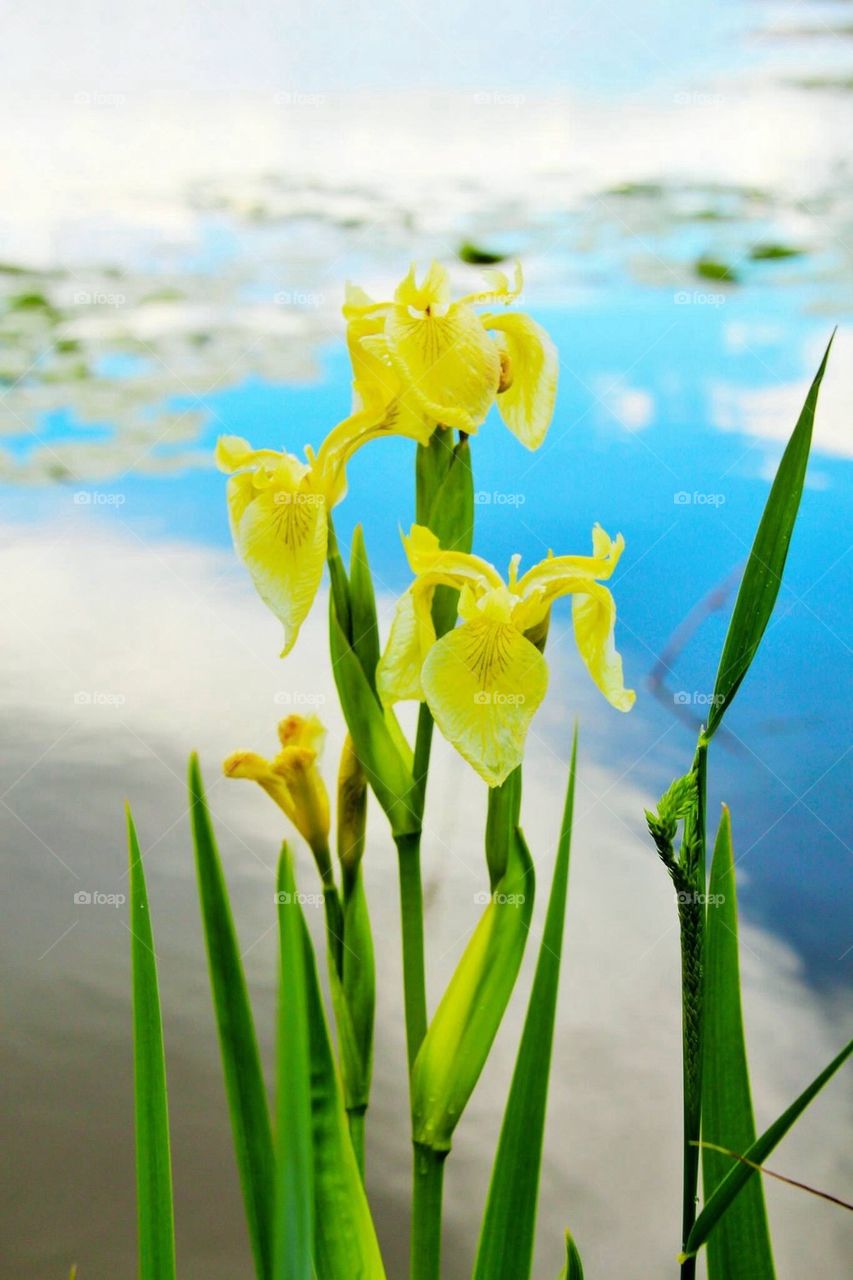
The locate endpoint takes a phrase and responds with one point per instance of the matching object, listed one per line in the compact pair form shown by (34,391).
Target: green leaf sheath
(739,1248)
(507,1234)
(365,627)
(466,1021)
(763,574)
(153,1162)
(244,1082)
(741,1174)
(294,1195)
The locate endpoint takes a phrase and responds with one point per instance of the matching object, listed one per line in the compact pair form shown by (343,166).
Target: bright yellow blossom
(434,358)
(484,681)
(278,506)
(294,782)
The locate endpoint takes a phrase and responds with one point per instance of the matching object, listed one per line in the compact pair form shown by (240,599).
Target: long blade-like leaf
(573,1270)
(507,1234)
(294,1198)
(153,1163)
(739,1247)
(763,574)
(345,1244)
(740,1174)
(241,1063)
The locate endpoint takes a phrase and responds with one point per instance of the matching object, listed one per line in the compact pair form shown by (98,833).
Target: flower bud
(352,809)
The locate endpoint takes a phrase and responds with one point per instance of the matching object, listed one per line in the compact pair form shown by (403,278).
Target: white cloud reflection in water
(118,657)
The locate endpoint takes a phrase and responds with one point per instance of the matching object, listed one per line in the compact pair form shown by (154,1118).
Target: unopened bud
(352,809)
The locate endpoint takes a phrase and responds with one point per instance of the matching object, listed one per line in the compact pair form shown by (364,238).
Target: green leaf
(501,822)
(359,979)
(506,1237)
(153,1164)
(573,1270)
(740,1174)
(365,628)
(763,574)
(739,1248)
(377,750)
(294,1192)
(244,1082)
(465,1024)
(345,1244)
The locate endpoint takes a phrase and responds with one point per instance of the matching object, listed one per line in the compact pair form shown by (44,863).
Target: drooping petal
(527,405)
(448,363)
(594,618)
(398,673)
(454,568)
(564,575)
(280,534)
(248,764)
(483,683)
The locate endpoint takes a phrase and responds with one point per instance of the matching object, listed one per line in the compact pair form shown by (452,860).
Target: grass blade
(763,574)
(345,1244)
(507,1235)
(153,1163)
(573,1270)
(739,1248)
(241,1064)
(740,1174)
(294,1226)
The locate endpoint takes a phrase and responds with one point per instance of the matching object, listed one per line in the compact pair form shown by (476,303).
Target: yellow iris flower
(484,681)
(278,505)
(435,358)
(294,782)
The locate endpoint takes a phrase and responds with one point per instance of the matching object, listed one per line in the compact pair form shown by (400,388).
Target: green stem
(412,919)
(355,1116)
(692,921)
(425,1254)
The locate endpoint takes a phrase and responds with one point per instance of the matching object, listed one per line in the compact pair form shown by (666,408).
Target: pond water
(684,225)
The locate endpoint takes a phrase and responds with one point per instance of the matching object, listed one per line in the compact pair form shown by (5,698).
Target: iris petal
(527,405)
(594,618)
(483,683)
